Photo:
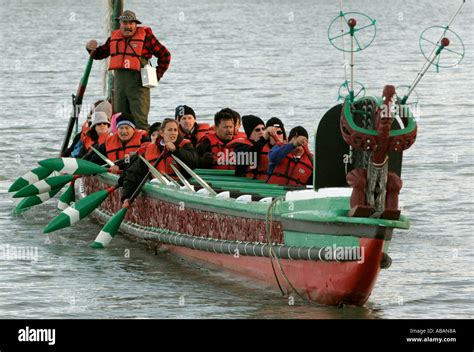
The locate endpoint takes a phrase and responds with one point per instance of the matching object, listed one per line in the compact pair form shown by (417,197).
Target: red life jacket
(153,151)
(88,142)
(220,151)
(116,150)
(85,128)
(200,130)
(240,134)
(262,164)
(293,171)
(125,53)
(263,161)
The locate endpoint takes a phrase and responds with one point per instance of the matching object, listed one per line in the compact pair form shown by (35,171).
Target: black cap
(154,127)
(276,122)
(250,122)
(182,110)
(297,131)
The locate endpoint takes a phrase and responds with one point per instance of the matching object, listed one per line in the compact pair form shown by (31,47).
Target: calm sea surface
(268,58)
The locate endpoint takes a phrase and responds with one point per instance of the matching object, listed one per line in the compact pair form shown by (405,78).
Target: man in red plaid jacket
(130,48)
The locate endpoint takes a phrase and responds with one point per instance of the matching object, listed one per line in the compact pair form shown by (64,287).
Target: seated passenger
(292,163)
(171,142)
(274,135)
(123,144)
(188,127)
(213,150)
(237,123)
(97,134)
(106,107)
(279,131)
(154,132)
(76,145)
(253,150)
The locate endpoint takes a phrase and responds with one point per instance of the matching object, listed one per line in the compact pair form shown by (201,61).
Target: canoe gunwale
(333,224)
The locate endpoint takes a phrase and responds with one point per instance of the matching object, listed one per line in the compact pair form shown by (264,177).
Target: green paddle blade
(72,166)
(67,198)
(109,230)
(29,178)
(78,211)
(43,186)
(35,200)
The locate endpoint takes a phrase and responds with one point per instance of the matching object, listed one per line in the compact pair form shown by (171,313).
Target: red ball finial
(445,41)
(352,22)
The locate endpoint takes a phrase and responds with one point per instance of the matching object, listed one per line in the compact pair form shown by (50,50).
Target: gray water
(268,58)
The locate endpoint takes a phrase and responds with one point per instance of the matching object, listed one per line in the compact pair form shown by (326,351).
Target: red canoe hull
(330,283)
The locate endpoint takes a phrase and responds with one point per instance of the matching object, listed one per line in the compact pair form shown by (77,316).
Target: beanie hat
(182,110)
(250,122)
(297,131)
(276,122)
(125,119)
(154,127)
(99,117)
(106,107)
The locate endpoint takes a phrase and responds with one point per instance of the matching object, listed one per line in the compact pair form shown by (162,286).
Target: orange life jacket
(200,130)
(153,151)
(125,53)
(116,150)
(88,142)
(220,151)
(293,171)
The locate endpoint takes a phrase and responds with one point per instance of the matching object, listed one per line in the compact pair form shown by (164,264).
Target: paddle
(29,178)
(77,103)
(153,171)
(72,166)
(163,178)
(44,186)
(103,157)
(171,180)
(185,182)
(35,200)
(79,210)
(68,197)
(111,227)
(195,176)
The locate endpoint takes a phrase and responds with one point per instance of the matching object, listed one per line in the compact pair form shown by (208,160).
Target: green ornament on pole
(72,166)
(29,178)
(44,186)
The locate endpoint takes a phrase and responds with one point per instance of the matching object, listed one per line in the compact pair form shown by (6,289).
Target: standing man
(130,48)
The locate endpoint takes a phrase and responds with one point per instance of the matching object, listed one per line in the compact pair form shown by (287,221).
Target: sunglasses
(279,132)
(258,129)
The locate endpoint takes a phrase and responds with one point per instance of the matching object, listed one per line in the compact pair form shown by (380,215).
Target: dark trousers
(131,97)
